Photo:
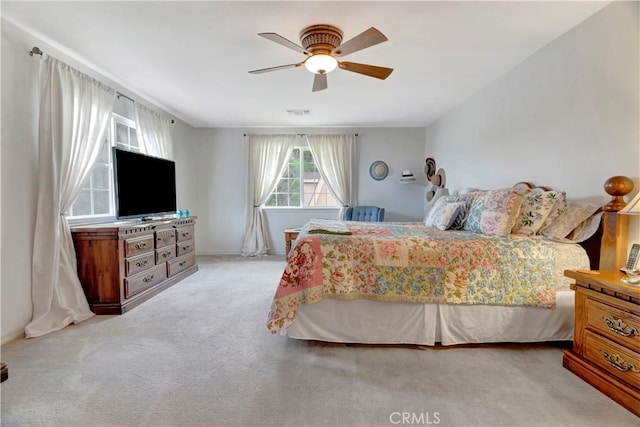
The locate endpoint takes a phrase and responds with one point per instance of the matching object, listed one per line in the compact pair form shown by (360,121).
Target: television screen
(145,186)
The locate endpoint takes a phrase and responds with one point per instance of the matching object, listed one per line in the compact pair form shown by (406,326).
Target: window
(96,197)
(301,184)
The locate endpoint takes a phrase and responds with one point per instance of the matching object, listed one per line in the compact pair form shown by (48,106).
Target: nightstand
(290,235)
(606,342)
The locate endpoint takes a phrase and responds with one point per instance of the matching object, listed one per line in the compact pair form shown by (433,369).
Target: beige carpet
(199,354)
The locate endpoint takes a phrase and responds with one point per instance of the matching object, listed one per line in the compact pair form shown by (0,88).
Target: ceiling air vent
(298,112)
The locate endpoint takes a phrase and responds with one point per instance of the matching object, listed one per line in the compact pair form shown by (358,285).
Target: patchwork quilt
(410,262)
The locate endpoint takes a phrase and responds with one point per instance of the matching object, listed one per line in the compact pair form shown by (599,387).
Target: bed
(483,267)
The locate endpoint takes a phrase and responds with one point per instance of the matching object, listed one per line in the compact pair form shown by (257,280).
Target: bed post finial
(615,227)
(617,187)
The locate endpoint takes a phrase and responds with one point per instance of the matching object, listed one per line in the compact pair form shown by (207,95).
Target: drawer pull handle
(148,278)
(618,362)
(185,247)
(620,327)
(141,263)
(141,245)
(186,234)
(182,263)
(166,254)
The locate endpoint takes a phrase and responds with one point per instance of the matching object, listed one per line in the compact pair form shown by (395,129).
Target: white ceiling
(192,58)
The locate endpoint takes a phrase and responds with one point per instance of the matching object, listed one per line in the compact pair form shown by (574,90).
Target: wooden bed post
(615,228)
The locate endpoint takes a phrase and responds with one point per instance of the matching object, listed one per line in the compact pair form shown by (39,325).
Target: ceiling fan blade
(284,42)
(363,40)
(319,82)
(368,70)
(280,67)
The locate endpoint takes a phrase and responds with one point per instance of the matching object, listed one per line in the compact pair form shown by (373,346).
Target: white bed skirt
(373,322)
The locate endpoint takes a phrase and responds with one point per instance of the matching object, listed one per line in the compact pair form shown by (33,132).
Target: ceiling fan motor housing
(321,38)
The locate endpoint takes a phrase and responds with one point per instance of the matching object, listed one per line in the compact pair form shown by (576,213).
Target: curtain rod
(37,51)
(300,134)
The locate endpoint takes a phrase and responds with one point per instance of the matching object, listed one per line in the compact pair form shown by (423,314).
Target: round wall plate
(379,170)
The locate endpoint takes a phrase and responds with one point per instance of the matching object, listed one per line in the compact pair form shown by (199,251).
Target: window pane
(101,177)
(82,205)
(101,202)
(122,134)
(301,183)
(134,140)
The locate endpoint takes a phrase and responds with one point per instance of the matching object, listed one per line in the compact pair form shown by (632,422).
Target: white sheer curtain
(74,113)
(333,156)
(268,156)
(154,132)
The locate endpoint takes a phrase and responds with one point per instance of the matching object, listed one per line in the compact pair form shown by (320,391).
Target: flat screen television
(145,186)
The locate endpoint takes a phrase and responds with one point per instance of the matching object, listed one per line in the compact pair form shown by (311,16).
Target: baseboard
(12,335)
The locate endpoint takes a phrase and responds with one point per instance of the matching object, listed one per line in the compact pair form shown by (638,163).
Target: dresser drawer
(179,264)
(615,324)
(138,263)
(165,238)
(165,254)
(144,280)
(185,247)
(615,359)
(138,245)
(185,233)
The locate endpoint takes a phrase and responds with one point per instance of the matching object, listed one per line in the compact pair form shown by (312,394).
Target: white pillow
(443,214)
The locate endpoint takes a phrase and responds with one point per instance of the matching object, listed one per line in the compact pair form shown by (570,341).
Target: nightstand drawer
(613,358)
(615,324)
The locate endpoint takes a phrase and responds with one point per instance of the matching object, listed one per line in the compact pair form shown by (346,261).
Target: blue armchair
(364,213)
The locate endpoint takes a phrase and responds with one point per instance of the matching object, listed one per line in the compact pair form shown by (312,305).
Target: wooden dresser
(122,264)
(606,344)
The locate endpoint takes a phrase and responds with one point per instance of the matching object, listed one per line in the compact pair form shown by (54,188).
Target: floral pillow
(575,213)
(535,209)
(558,207)
(494,212)
(443,214)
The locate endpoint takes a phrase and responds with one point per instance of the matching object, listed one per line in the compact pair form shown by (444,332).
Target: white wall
(217,162)
(19,181)
(567,117)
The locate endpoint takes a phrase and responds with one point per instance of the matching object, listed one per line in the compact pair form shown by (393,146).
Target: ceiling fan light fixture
(321,63)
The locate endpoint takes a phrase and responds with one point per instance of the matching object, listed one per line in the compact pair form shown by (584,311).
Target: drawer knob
(148,278)
(141,245)
(620,327)
(182,263)
(185,247)
(186,234)
(166,254)
(141,263)
(618,362)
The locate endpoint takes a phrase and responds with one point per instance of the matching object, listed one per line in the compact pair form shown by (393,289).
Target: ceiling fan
(322,44)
